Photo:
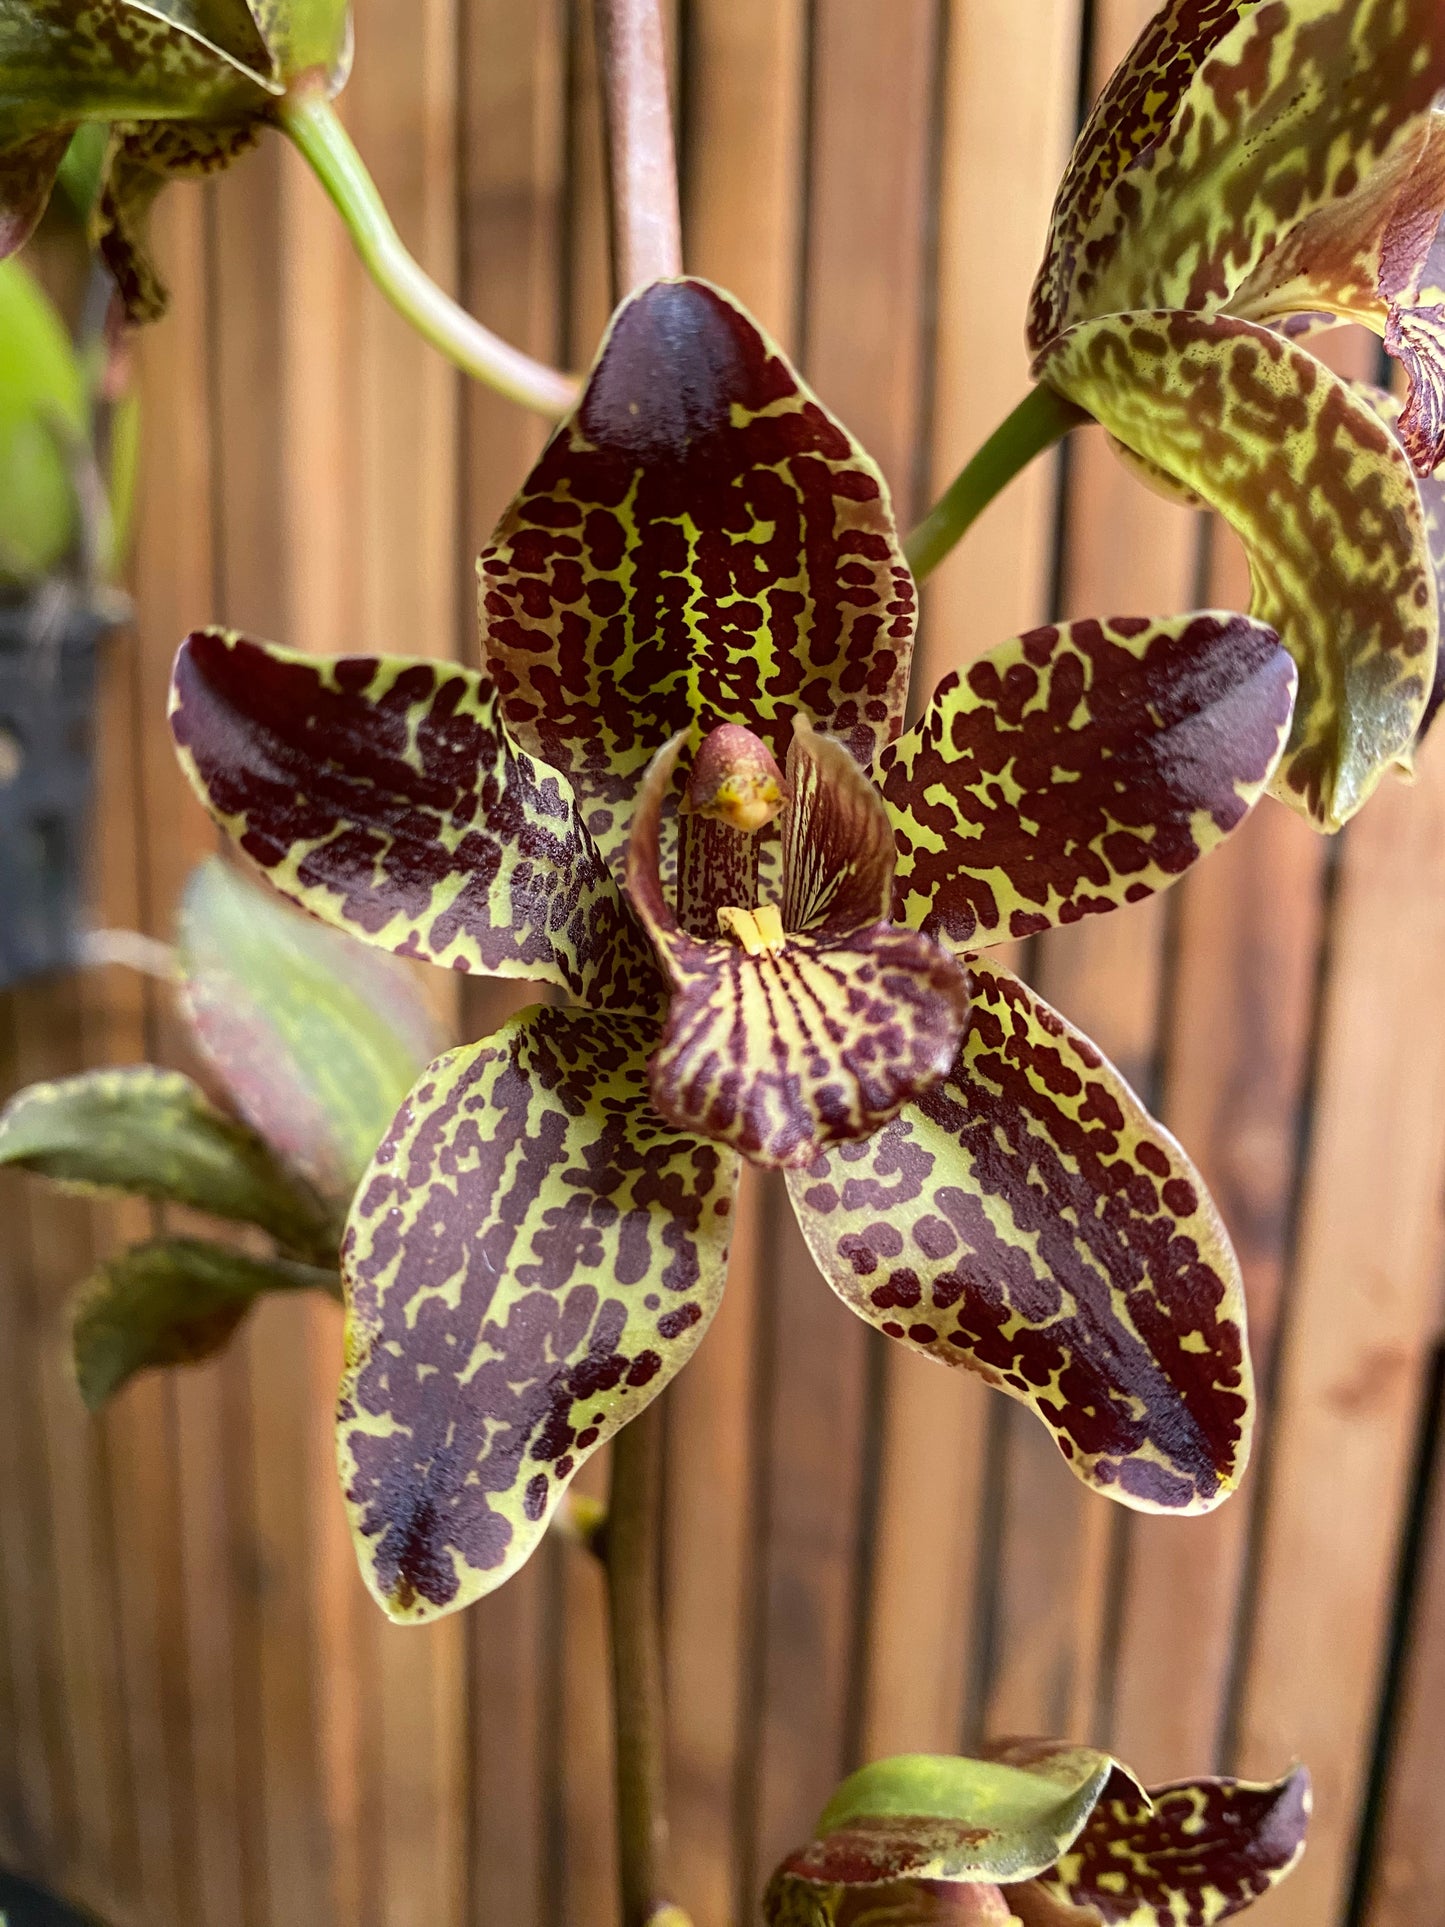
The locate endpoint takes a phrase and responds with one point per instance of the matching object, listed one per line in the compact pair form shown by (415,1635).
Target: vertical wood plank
(1363,1315)
(1007,106)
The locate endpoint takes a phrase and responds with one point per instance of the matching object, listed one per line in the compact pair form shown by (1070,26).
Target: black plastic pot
(49,650)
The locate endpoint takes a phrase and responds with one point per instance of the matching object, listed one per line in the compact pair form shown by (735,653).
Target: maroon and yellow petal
(701,543)
(385,796)
(1325,501)
(781,1039)
(531,1257)
(1080,767)
(1229,124)
(894,1903)
(1027,1218)
(1198,1850)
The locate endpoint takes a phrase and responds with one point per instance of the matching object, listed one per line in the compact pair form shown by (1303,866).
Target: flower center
(734,790)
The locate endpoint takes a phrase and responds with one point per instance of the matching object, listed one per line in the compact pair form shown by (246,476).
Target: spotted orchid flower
(680,797)
(1037,1834)
(185,88)
(1256,168)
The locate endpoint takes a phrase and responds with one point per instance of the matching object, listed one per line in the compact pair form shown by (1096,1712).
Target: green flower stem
(307,116)
(1042,418)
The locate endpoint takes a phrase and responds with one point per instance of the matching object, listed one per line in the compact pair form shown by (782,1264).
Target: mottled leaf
(1080,767)
(1228,125)
(386,796)
(1325,502)
(1188,1855)
(531,1257)
(171,1302)
(816,1019)
(318,1039)
(153,1134)
(1028,1219)
(701,543)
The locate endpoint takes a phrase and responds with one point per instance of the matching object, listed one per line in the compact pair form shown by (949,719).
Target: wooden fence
(203,1721)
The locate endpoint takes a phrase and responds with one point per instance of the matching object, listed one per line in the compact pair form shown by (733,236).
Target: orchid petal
(1080,767)
(1229,123)
(1325,502)
(1432,504)
(532,1256)
(317,1039)
(1029,1220)
(826,1032)
(1197,1850)
(144,159)
(701,543)
(385,796)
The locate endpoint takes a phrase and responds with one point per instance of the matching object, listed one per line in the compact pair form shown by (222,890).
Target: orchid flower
(680,797)
(1256,168)
(1037,1834)
(186,89)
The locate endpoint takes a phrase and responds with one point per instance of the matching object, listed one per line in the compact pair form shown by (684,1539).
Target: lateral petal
(1194,1850)
(531,1257)
(1079,767)
(701,543)
(1325,501)
(1027,1218)
(385,796)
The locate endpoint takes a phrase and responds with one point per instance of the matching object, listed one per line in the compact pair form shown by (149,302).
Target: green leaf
(317,1038)
(171,1302)
(154,1134)
(531,1257)
(927,1817)
(42,407)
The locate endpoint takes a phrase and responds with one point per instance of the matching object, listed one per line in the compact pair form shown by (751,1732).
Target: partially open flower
(185,90)
(1252,170)
(780,957)
(1037,1833)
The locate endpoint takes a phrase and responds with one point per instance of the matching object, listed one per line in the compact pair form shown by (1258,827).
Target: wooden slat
(1363,1315)
(1408,1884)
(922,1634)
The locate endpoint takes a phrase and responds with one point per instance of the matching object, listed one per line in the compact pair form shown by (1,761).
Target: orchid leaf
(902,1831)
(532,1256)
(1325,502)
(318,1039)
(385,796)
(171,1302)
(816,1019)
(701,543)
(42,406)
(1028,1219)
(153,1134)
(1080,767)
(1228,125)
(1199,1850)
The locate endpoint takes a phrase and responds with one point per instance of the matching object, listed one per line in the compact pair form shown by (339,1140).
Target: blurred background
(203,1720)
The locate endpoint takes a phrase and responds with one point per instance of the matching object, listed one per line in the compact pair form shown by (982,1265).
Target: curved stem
(1041,418)
(307,116)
